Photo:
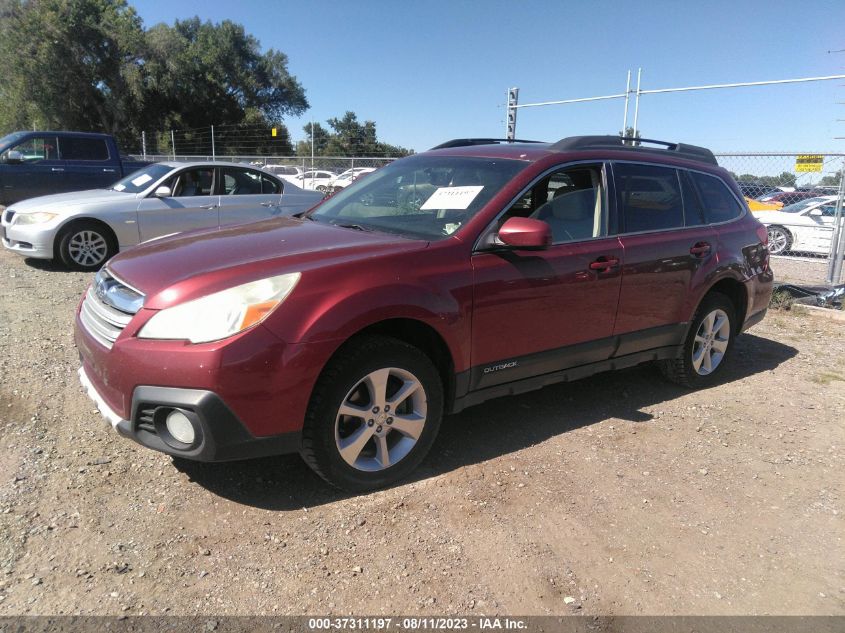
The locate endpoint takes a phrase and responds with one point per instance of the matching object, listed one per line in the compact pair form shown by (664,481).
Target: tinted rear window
(649,197)
(84,149)
(719,203)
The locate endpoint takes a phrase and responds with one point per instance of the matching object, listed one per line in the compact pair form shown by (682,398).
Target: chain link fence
(797,196)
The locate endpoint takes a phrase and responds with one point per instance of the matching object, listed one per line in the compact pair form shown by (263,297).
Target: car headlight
(222,314)
(34,218)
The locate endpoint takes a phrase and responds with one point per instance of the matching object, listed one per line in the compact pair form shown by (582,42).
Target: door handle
(57,169)
(208,207)
(268,204)
(603,263)
(700,249)
(108,171)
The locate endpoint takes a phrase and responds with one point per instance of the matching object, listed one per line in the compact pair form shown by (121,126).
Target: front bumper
(29,241)
(220,435)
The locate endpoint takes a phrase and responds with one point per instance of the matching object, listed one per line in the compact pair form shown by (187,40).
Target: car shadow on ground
(48,265)
(487,431)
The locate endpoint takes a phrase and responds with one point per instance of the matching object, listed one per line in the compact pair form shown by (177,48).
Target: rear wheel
(86,245)
(374,414)
(707,346)
(780,240)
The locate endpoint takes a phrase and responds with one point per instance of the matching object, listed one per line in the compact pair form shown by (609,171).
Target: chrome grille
(9,215)
(108,307)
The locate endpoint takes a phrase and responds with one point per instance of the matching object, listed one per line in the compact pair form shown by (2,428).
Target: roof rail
(465,142)
(681,150)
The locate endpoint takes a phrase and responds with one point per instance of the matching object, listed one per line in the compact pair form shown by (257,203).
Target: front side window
(649,197)
(719,204)
(570,201)
(193,182)
(428,197)
(37,148)
(828,210)
(93,149)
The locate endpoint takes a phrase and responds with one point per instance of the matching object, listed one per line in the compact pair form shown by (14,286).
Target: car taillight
(763,234)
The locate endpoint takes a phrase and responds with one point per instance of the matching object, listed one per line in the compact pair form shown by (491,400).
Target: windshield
(10,139)
(141,180)
(795,207)
(428,197)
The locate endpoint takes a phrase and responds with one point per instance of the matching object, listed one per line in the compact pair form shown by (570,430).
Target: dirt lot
(616,495)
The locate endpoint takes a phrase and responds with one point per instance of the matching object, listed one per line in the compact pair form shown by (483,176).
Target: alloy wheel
(711,342)
(380,419)
(87,248)
(778,240)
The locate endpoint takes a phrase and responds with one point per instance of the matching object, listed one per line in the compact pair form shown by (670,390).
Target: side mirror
(163,192)
(14,157)
(526,233)
(816,212)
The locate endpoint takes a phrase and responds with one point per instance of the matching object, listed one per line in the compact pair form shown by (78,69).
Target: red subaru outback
(475,270)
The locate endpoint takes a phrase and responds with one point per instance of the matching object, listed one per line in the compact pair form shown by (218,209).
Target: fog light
(180,428)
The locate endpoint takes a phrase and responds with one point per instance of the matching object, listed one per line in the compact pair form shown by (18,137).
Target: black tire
(321,433)
(86,245)
(683,370)
(780,239)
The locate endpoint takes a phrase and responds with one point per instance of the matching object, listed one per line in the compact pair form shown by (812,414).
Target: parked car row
(322,180)
(469,272)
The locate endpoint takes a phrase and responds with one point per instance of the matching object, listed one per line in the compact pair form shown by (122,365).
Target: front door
(192,205)
(536,312)
(41,173)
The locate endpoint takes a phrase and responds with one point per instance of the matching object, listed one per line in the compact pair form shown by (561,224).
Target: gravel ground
(620,494)
(808,271)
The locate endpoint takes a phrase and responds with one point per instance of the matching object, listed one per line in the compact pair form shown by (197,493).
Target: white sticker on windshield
(119,187)
(142,179)
(452,197)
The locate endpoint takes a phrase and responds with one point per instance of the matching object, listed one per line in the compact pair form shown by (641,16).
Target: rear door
(537,312)
(667,246)
(88,162)
(247,195)
(192,205)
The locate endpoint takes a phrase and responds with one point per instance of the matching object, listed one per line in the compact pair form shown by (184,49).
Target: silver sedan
(85,228)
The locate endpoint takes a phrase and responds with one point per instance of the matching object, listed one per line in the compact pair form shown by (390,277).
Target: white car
(316,179)
(288,172)
(806,225)
(85,228)
(347,177)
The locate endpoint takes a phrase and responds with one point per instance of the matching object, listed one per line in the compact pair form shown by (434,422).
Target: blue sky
(427,71)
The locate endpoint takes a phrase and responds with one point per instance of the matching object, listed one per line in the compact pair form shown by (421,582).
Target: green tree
(73,64)
(348,137)
(91,65)
(629,133)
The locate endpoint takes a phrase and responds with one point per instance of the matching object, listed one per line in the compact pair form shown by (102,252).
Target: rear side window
(649,197)
(84,149)
(719,204)
(268,185)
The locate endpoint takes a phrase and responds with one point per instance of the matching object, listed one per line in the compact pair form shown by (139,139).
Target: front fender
(342,310)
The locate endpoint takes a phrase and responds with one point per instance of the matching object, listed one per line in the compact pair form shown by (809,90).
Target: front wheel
(374,414)
(86,246)
(707,345)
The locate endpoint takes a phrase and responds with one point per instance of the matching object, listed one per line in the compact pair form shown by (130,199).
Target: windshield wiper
(357,227)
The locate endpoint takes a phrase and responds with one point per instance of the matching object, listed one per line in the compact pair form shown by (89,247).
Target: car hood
(67,202)
(179,268)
